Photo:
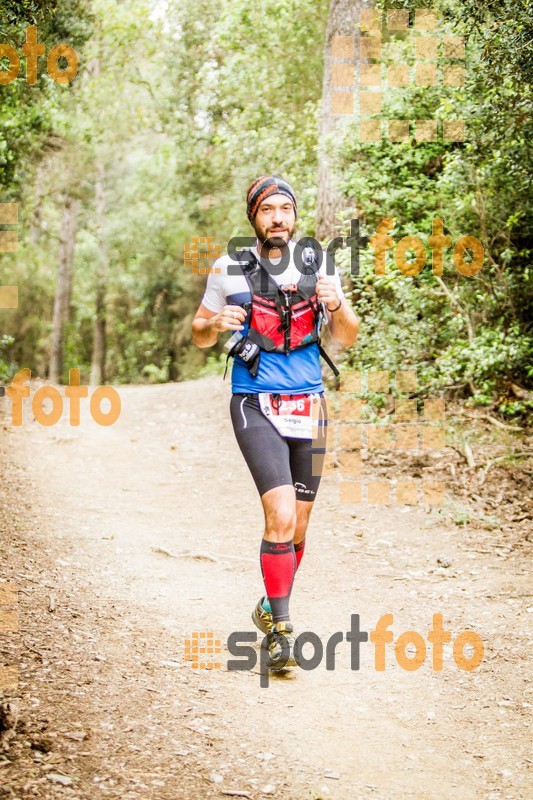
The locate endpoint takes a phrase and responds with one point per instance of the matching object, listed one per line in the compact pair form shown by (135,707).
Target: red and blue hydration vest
(280,347)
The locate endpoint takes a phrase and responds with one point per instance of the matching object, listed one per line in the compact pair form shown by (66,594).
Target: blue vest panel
(296,373)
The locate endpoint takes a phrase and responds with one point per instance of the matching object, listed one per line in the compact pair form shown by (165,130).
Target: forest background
(177,106)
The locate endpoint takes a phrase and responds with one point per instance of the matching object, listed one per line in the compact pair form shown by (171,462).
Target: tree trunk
(343,20)
(36,216)
(63,286)
(99,335)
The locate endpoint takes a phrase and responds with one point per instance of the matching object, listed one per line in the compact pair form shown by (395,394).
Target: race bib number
(294,415)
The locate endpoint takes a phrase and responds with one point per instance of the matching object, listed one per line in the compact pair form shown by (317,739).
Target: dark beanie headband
(262,188)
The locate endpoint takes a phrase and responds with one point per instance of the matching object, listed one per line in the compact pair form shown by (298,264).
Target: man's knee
(280,513)
(281,518)
(282,521)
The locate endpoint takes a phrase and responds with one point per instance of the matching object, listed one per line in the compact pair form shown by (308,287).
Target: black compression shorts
(273,459)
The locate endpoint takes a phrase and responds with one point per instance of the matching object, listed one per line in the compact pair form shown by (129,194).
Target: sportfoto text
(380,242)
(238,645)
(32,51)
(17,391)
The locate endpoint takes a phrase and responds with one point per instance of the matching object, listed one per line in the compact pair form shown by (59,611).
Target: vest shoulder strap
(249,258)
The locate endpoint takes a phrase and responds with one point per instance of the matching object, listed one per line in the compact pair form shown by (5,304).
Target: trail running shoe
(281,646)
(261,618)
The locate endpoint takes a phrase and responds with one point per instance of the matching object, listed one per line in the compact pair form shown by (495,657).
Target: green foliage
(6,369)
(253,78)
(24,12)
(464,515)
(473,334)
(26,112)
(203,117)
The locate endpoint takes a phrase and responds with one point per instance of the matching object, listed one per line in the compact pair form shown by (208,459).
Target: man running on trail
(276,381)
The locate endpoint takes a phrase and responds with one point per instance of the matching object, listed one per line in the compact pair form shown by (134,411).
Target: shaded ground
(106,704)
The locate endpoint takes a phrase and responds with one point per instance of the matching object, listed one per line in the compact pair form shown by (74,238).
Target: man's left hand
(327,292)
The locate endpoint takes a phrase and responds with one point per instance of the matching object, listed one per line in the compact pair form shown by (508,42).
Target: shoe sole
(287,665)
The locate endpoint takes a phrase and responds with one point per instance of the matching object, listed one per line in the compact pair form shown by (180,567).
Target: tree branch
(458,305)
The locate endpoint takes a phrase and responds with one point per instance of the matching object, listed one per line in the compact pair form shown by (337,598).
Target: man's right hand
(207,326)
(230,319)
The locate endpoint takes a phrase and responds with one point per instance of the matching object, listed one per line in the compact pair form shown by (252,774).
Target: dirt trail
(110,708)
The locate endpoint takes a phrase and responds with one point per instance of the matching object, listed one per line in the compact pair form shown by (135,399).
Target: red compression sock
(299,551)
(278,565)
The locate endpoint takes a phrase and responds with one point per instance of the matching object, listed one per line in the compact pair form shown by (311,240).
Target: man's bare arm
(342,322)
(208,325)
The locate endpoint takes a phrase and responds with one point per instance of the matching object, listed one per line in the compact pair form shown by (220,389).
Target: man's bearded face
(275,221)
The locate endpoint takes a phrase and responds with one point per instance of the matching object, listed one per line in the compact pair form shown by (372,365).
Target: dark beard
(273,242)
